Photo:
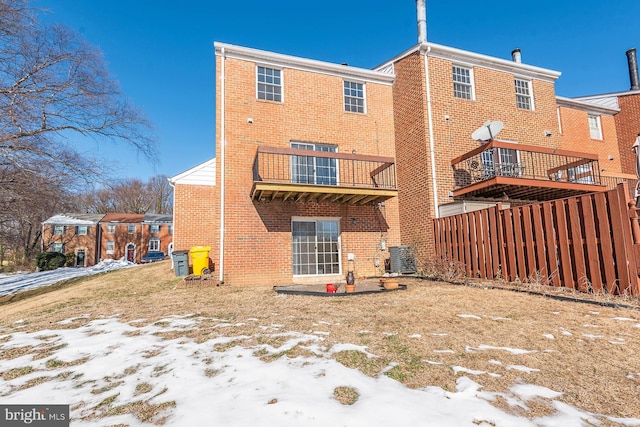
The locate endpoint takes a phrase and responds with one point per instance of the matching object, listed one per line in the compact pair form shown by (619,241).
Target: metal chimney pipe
(516,55)
(421,8)
(633,69)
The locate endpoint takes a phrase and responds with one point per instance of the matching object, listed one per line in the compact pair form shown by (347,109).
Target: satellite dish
(487,131)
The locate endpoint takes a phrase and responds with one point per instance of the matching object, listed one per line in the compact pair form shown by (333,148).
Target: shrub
(50,260)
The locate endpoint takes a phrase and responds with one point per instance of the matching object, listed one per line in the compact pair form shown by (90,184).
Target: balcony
(305,175)
(516,172)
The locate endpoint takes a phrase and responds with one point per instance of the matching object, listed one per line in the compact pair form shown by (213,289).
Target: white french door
(314,170)
(316,247)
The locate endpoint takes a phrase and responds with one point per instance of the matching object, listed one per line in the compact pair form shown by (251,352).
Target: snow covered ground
(13,283)
(104,367)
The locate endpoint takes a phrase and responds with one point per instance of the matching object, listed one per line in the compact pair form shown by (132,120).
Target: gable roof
(158,218)
(123,218)
(278,59)
(588,105)
(474,59)
(74,219)
(203,174)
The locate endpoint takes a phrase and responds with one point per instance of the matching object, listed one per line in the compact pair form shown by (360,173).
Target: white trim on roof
(294,62)
(587,106)
(608,95)
(475,60)
(70,220)
(203,174)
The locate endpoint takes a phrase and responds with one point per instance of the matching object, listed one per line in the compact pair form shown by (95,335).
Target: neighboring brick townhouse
(460,130)
(73,233)
(627,120)
(95,237)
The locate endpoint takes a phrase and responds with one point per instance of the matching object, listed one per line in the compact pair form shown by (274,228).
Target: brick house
(95,237)
(460,129)
(591,127)
(304,186)
(627,120)
(73,233)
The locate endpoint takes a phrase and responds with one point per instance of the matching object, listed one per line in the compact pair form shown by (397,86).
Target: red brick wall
(196,215)
(576,137)
(73,242)
(495,100)
(628,127)
(258,242)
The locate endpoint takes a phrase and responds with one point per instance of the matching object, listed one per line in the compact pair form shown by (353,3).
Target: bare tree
(55,91)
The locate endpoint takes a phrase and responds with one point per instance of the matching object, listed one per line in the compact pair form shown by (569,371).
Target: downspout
(432,149)
(173,221)
(222,164)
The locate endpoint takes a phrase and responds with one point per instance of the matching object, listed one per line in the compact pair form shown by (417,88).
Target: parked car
(152,257)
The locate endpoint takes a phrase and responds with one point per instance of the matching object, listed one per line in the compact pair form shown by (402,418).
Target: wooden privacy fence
(584,242)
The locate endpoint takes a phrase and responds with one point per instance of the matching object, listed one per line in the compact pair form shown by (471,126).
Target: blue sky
(162,51)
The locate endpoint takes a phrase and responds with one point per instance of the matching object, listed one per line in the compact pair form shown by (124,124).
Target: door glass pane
(315,247)
(302,166)
(304,256)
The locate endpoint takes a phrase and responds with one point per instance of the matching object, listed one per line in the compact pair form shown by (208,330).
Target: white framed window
(354,99)
(524,99)
(462,82)
(82,230)
(154,228)
(58,229)
(316,246)
(131,228)
(57,247)
(314,170)
(170,229)
(269,83)
(111,228)
(595,127)
(154,244)
(110,247)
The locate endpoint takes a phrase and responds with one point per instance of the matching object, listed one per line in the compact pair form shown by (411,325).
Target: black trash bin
(181,263)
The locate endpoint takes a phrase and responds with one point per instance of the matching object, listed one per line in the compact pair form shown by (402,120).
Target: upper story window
(354,97)
(111,228)
(154,228)
(595,129)
(58,229)
(269,84)
(82,230)
(131,228)
(524,99)
(462,82)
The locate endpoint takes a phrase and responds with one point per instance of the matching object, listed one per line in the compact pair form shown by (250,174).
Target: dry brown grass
(592,357)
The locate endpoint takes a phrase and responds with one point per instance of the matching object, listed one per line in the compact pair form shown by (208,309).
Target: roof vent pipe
(421,8)
(633,69)
(516,55)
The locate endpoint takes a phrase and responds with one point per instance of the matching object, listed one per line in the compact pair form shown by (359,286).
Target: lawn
(513,355)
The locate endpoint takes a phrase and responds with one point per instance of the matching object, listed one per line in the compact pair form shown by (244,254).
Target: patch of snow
(521,368)
(13,283)
(507,349)
(469,316)
(234,387)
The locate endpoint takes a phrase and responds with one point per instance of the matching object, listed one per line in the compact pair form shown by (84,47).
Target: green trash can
(200,260)
(181,263)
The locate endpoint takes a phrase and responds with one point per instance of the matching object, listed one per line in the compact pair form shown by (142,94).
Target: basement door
(316,247)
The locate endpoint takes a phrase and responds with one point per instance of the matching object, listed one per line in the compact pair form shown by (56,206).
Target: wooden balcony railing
(525,172)
(318,175)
